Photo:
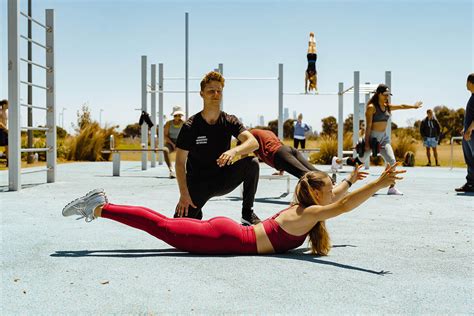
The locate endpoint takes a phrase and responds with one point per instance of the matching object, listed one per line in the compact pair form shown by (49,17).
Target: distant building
(294,115)
(286,114)
(261,120)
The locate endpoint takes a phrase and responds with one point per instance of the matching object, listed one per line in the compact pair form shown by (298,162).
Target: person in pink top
(316,200)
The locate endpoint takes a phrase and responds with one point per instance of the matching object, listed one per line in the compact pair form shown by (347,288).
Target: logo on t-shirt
(201,140)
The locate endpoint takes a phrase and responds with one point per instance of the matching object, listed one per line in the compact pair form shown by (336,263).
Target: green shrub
(90,141)
(328,149)
(402,144)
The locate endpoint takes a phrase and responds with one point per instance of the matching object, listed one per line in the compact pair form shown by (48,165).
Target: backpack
(409,159)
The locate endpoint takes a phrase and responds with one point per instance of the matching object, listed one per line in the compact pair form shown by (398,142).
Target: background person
(377,114)
(468,139)
(299,133)
(311,75)
(430,131)
(170,132)
(4,127)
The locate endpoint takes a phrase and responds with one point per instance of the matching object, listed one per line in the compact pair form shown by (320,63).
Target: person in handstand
(315,201)
(311,75)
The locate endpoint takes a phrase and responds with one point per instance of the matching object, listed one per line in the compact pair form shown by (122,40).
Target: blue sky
(428,46)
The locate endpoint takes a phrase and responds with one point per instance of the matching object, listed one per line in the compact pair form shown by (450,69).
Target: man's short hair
(470,78)
(429,111)
(212,76)
(2,102)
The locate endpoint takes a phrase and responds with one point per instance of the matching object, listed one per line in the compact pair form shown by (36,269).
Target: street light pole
(100,117)
(62,117)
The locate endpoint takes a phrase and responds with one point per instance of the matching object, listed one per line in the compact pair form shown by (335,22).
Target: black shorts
(3,137)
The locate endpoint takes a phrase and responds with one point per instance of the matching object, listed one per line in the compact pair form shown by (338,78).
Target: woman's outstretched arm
(357,197)
(417,105)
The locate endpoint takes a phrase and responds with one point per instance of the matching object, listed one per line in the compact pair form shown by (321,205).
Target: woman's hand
(357,174)
(390,175)
(417,105)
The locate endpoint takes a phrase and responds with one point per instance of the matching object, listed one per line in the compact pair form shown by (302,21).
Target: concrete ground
(408,254)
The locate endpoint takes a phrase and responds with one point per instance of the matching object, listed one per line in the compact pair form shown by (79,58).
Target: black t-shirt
(206,142)
(469,115)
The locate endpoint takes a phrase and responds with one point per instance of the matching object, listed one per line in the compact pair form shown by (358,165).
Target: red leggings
(218,235)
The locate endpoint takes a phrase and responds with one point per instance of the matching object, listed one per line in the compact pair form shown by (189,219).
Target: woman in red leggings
(316,200)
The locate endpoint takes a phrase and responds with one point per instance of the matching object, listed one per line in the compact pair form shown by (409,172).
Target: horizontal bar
(34,150)
(310,94)
(31,19)
(35,42)
(32,128)
(36,170)
(34,106)
(251,78)
(171,91)
(35,64)
(34,85)
(456,138)
(182,78)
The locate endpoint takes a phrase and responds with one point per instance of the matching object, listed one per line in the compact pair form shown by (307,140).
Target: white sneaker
(85,205)
(172,174)
(394,191)
(334,165)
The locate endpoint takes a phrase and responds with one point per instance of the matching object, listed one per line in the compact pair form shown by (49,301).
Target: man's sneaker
(85,206)
(465,188)
(172,174)
(335,165)
(394,191)
(250,219)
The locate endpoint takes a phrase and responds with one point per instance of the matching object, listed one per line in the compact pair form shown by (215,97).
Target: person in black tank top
(311,75)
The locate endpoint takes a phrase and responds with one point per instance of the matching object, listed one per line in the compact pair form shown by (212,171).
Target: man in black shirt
(468,140)
(204,167)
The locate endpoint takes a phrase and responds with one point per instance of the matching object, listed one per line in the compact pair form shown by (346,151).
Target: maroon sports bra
(280,239)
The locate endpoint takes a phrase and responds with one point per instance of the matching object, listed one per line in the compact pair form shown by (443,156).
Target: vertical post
(388,82)
(50,98)
(280,101)
(355,136)
(29,156)
(161,124)
(14,156)
(153,115)
(221,71)
(186,64)
(340,119)
(144,129)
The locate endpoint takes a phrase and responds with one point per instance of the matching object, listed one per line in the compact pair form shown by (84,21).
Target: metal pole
(280,101)
(388,82)
(144,129)
(355,136)
(62,117)
(161,137)
(340,118)
(30,156)
(51,142)
(14,140)
(221,71)
(186,64)
(153,115)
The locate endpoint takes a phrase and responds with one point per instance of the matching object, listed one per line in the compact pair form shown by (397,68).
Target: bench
(116,156)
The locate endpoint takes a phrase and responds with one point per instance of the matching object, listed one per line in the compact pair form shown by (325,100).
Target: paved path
(411,254)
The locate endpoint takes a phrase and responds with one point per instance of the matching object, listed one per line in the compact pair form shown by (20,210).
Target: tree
(132,130)
(84,118)
(288,128)
(451,121)
(329,126)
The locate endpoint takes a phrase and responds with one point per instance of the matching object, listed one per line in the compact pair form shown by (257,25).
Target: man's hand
(357,174)
(173,145)
(467,134)
(183,204)
(226,158)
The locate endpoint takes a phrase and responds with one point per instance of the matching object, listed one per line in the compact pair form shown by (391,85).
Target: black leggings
(296,142)
(292,161)
(244,171)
